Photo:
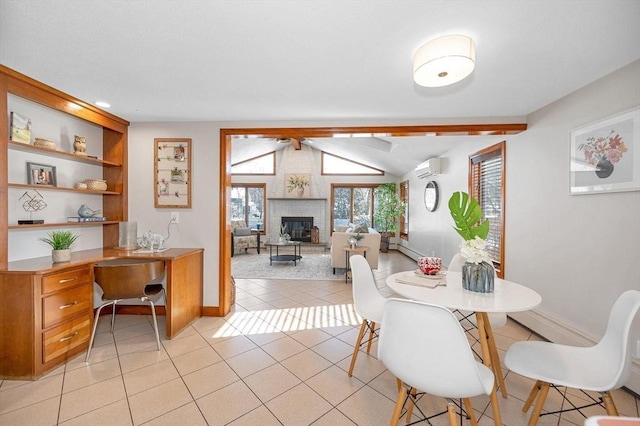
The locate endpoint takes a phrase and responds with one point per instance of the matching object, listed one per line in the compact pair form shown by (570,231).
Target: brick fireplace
(314,208)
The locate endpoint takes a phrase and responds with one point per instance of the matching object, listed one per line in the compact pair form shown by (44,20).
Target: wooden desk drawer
(62,280)
(63,305)
(61,339)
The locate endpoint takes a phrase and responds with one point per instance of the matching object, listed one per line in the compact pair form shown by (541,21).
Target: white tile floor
(279,359)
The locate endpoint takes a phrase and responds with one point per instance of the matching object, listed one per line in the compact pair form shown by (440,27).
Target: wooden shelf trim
(61,154)
(61,188)
(63,224)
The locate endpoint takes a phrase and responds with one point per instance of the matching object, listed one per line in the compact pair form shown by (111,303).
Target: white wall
(579,252)
(198,225)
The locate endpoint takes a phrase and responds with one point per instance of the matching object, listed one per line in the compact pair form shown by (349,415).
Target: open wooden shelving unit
(113,162)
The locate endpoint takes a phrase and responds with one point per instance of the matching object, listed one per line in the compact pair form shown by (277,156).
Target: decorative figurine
(80,145)
(85,211)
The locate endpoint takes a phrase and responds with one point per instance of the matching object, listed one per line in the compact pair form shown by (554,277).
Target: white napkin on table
(411,278)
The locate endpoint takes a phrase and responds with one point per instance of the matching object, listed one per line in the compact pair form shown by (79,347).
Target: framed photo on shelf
(41,174)
(20,128)
(605,155)
(172,172)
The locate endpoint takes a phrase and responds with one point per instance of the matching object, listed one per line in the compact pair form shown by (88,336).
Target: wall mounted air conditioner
(431,167)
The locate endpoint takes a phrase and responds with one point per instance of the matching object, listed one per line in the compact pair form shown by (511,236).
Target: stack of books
(86,219)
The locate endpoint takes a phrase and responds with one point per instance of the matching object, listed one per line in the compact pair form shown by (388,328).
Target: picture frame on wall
(41,174)
(172,172)
(605,155)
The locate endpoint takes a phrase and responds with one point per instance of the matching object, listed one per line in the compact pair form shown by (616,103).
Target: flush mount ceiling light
(443,61)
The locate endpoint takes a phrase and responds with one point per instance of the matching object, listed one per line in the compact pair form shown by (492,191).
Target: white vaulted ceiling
(197,60)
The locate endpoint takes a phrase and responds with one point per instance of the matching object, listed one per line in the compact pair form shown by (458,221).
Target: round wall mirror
(431,196)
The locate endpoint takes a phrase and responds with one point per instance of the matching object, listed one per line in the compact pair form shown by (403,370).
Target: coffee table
(284,257)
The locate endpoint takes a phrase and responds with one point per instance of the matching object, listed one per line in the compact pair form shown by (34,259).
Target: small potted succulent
(60,242)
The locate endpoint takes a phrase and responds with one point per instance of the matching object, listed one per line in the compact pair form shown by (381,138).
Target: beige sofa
(340,239)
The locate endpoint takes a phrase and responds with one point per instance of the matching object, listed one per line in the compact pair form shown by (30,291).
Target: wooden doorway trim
(226,135)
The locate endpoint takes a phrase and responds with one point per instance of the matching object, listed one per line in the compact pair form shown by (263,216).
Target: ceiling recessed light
(103,104)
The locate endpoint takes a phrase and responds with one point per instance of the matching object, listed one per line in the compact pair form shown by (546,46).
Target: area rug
(311,267)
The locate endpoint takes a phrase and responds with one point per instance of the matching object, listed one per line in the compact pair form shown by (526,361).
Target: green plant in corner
(358,236)
(388,210)
(60,240)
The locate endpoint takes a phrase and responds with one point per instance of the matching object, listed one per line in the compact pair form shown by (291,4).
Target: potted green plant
(388,210)
(60,242)
(297,183)
(477,272)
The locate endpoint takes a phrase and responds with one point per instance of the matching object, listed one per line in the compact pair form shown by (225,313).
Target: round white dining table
(506,297)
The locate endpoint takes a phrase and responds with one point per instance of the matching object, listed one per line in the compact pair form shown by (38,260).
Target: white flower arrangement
(474,251)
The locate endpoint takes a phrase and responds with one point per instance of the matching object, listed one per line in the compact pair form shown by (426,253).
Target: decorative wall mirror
(431,196)
(172,173)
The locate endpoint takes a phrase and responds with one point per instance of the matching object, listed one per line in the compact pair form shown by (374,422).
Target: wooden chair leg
(453,419)
(609,404)
(470,414)
(411,404)
(398,384)
(532,396)
(398,408)
(373,327)
(356,347)
(495,407)
(544,390)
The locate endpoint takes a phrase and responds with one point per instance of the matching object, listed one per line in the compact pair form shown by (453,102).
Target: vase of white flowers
(477,272)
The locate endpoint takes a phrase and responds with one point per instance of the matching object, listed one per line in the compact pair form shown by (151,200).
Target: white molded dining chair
(601,368)
(367,301)
(425,347)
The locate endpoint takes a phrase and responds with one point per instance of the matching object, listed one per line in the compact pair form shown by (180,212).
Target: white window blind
(487,186)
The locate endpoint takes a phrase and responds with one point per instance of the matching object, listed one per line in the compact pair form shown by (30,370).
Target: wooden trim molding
(224,276)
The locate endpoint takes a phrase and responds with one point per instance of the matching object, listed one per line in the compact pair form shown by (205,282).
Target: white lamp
(443,61)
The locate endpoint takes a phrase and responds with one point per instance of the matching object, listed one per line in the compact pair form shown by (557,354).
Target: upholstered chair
(242,238)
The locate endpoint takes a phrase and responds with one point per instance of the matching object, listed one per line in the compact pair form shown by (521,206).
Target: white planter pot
(59,256)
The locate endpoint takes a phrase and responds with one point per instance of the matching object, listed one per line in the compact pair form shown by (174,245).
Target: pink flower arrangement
(602,148)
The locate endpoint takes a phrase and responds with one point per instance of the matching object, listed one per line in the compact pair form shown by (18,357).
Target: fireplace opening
(298,228)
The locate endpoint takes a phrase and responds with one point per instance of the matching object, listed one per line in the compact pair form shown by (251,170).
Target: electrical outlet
(174,217)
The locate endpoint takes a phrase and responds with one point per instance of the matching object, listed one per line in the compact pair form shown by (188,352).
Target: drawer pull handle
(67,280)
(69,337)
(75,302)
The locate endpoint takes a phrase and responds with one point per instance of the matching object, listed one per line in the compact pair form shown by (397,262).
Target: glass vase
(477,277)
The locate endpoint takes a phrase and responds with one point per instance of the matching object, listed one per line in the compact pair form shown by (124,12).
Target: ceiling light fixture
(444,61)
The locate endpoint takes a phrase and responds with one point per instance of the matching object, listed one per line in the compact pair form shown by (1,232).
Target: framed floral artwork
(605,156)
(172,173)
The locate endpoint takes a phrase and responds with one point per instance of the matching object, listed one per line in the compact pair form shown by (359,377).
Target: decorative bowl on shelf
(81,185)
(96,184)
(44,143)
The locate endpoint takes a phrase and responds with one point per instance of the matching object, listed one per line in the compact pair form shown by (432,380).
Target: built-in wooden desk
(46,309)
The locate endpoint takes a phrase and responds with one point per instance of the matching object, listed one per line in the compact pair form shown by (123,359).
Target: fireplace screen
(298,228)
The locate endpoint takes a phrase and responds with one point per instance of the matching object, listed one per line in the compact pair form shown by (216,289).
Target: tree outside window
(248,204)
